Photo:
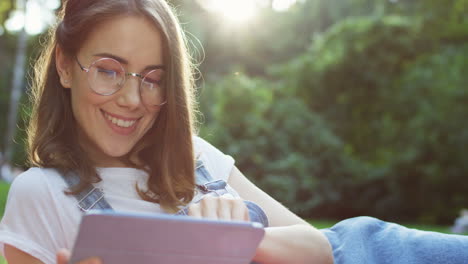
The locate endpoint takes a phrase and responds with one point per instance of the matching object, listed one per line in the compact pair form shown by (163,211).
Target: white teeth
(119,122)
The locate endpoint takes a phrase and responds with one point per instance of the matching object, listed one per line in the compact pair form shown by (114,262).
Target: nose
(129,94)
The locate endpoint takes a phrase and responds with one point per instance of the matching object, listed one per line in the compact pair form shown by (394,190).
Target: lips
(121,125)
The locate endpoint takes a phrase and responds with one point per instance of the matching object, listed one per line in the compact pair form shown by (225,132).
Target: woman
(113,103)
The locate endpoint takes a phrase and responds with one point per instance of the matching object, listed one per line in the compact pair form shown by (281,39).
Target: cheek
(81,93)
(153,116)
(155,113)
(84,100)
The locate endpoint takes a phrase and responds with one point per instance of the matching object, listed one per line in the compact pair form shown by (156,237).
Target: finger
(194,210)
(246,213)
(209,207)
(225,205)
(63,255)
(239,211)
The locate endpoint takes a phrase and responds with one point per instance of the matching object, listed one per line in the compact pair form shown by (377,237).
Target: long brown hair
(165,152)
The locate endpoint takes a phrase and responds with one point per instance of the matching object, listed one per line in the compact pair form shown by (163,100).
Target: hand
(225,207)
(63,256)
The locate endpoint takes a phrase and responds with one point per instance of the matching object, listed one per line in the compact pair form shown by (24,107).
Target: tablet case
(131,238)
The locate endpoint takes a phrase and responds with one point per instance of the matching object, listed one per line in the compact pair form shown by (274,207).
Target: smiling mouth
(119,122)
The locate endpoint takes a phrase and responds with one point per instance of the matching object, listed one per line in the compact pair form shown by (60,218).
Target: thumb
(63,256)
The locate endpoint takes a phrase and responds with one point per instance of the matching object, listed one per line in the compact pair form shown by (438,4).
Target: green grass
(435,228)
(4,187)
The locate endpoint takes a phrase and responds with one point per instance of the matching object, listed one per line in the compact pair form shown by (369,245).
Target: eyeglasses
(106,76)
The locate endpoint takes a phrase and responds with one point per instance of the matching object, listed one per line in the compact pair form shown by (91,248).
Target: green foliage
(285,148)
(397,104)
(19,158)
(430,107)
(7,43)
(366,121)
(348,68)
(5,8)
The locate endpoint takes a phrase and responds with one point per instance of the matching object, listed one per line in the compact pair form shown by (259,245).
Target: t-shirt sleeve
(30,222)
(217,163)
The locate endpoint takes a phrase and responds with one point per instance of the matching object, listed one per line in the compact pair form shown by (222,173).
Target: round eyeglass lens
(152,90)
(106,76)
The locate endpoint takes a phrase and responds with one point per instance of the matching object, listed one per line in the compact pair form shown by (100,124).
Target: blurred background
(336,108)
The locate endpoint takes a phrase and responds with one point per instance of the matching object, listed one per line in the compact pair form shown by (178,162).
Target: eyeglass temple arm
(81,66)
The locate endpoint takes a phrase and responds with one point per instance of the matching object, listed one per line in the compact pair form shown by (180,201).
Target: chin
(116,152)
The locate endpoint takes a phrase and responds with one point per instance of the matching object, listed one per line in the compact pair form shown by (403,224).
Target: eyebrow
(124,61)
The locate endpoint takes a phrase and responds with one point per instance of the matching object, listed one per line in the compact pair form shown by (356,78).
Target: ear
(64,67)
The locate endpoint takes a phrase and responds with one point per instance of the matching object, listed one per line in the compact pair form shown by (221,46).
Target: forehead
(135,38)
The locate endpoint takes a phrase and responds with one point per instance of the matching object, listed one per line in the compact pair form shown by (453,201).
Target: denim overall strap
(205,184)
(93,198)
(90,198)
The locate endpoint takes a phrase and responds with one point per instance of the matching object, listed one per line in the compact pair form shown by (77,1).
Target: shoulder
(216,162)
(30,182)
(37,188)
(203,147)
(36,181)
(36,214)
(200,145)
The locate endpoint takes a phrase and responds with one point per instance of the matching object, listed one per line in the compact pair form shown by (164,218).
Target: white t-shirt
(40,219)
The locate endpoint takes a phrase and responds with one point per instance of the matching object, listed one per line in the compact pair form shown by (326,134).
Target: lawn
(4,187)
(436,228)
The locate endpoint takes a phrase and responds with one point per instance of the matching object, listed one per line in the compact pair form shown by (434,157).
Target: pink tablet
(130,238)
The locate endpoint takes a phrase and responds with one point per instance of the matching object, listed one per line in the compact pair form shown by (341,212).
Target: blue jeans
(366,240)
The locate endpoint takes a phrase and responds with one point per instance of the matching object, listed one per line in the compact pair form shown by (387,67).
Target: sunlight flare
(283,5)
(233,10)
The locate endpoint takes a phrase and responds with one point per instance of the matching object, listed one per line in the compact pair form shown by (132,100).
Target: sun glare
(283,5)
(233,10)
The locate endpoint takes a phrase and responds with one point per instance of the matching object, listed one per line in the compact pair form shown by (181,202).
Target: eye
(107,73)
(154,77)
(152,81)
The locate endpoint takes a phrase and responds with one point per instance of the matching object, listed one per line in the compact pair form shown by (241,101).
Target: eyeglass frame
(135,74)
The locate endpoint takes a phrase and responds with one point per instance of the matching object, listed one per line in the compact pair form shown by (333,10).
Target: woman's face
(110,126)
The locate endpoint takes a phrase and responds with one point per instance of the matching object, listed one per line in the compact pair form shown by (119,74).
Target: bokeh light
(36,18)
